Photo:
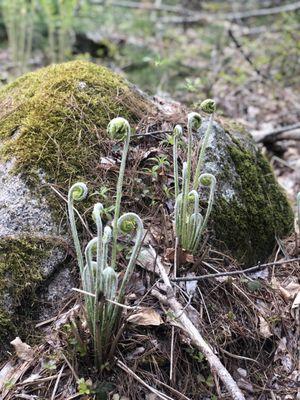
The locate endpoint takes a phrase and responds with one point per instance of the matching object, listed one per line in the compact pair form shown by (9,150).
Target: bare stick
(232,273)
(233,16)
(108,300)
(57,382)
(272,136)
(190,329)
(173,328)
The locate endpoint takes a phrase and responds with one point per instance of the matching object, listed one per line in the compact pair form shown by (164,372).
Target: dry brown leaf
(23,350)
(107,164)
(288,291)
(264,328)
(296,302)
(145,316)
(147,260)
(183,256)
(292,288)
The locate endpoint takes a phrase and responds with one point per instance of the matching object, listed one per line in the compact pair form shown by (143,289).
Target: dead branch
(262,12)
(232,273)
(271,137)
(246,56)
(145,6)
(189,328)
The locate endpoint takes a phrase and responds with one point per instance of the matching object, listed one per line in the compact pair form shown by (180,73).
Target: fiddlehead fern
(194,123)
(97,212)
(106,239)
(119,129)
(133,221)
(208,180)
(77,192)
(189,223)
(208,106)
(177,134)
(99,278)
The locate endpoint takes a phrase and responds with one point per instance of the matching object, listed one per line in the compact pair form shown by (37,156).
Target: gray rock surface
(20,211)
(27,224)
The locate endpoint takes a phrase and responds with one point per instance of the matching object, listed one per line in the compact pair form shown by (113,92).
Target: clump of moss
(249,224)
(21,260)
(53,120)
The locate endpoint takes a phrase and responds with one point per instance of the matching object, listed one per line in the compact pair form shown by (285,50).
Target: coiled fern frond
(97,267)
(189,224)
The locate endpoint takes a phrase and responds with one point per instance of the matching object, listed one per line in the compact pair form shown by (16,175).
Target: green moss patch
(21,261)
(54,119)
(250,223)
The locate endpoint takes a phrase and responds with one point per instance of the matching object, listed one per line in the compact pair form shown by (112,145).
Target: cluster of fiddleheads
(189,223)
(97,266)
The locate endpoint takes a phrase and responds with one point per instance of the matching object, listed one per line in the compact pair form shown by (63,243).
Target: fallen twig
(190,329)
(272,136)
(232,16)
(231,273)
(57,382)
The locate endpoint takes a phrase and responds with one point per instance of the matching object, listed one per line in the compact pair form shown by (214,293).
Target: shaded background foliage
(185,49)
(245,54)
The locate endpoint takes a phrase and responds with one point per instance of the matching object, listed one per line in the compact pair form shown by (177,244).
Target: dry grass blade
(159,394)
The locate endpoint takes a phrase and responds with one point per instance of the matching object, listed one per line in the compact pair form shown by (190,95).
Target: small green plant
(9,384)
(97,268)
(50,365)
(160,167)
(84,387)
(189,223)
(119,129)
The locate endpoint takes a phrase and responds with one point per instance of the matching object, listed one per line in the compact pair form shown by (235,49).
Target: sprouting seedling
(119,129)
(77,192)
(209,107)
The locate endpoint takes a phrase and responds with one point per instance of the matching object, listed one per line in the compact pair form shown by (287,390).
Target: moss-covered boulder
(250,209)
(53,133)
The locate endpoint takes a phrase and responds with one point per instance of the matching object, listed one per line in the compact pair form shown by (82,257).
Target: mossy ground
(249,225)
